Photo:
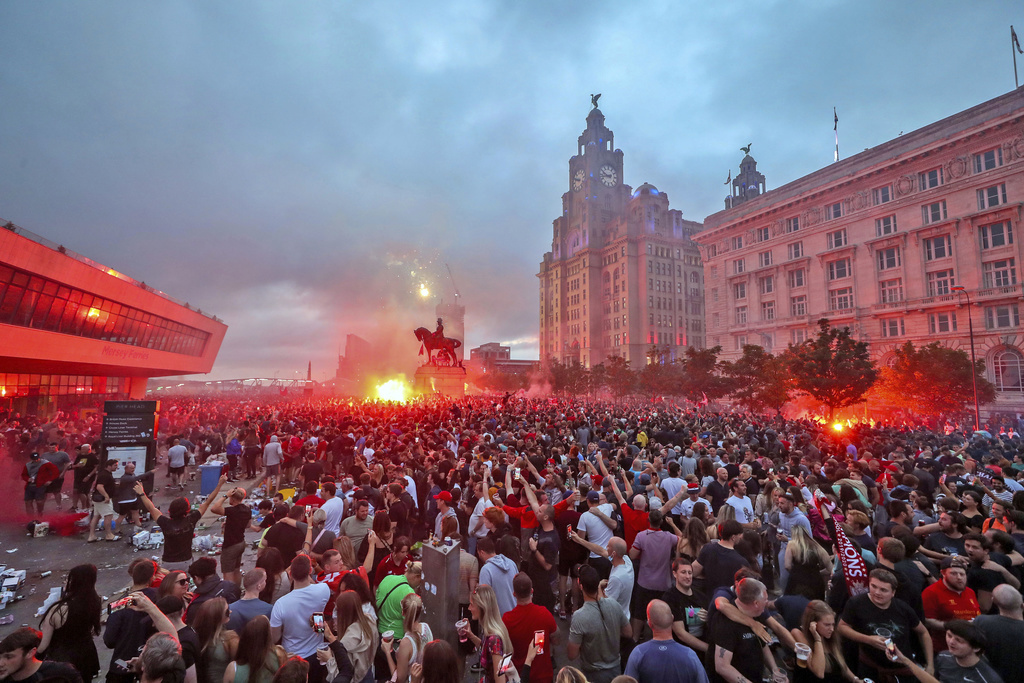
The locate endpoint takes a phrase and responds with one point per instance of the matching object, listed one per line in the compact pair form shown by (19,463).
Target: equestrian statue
(444,347)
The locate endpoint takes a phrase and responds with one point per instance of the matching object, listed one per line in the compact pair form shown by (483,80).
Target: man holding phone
(527,623)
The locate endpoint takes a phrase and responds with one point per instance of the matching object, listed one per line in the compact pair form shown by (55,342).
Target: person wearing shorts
(238,517)
(272,457)
(176,455)
(103,509)
(37,475)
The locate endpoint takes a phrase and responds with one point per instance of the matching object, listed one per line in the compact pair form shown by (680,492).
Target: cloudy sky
(300,169)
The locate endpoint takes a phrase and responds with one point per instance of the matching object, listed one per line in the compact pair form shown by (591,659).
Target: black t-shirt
(941,543)
(189,645)
(719,565)
(178,535)
(678,602)
(90,461)
(744,645)
(865,617)
(979,579)
(50,671)
(286,538)
(719,493)
(237,518)
(312,471)
(105,478)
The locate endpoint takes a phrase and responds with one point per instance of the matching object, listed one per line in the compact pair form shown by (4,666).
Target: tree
(761,381)
(932,380)
(568,378)
(702,376)
(621,379)
(661,375)
(832,368)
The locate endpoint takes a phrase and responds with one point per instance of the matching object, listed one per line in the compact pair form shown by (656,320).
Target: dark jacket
(212,587)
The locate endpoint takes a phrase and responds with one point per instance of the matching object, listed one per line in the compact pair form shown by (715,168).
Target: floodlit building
(73,331)
(623,274)
(877,242)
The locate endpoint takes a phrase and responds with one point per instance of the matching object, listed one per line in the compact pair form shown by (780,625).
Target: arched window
(1007,365)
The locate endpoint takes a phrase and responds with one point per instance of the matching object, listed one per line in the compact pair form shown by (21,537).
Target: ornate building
(623,274)
(881,243)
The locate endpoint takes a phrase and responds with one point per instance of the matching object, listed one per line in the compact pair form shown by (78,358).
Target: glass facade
(13,385)
(28,300)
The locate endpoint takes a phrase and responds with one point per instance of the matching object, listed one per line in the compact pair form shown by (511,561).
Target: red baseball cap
(445,496)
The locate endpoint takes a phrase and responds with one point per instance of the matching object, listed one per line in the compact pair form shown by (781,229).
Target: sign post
(129,433)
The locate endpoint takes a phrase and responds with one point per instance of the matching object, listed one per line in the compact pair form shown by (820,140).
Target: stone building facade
(877,243)
(623,275)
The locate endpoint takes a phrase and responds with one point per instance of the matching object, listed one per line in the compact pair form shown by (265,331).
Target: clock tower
(596,191)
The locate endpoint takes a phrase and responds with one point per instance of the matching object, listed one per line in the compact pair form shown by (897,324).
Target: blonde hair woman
(819,631)
(494,642)
(417,634)
(355,645)
(808,565)
(725,513)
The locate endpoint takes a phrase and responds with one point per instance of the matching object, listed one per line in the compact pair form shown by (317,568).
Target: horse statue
(444,346)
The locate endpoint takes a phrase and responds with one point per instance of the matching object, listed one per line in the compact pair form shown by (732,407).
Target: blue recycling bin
(209,475)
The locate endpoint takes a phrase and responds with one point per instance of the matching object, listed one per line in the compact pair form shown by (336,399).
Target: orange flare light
(393,390)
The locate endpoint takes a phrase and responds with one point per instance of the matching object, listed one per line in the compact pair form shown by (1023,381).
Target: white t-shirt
(478,511)
(272,454)
(292,612)
(176,456)
(686,506)
(597,532)
(334,509)
(620,584)
(744,510)
(411,488)
(672,486)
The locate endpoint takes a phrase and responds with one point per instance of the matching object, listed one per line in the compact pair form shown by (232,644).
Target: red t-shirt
(388,567)
(521,622)
(945,605)
(314,500)
(633,522)
(527,518)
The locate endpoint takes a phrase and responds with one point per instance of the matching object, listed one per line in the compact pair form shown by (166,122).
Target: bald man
(619,584)
(662,659)
(1005,633)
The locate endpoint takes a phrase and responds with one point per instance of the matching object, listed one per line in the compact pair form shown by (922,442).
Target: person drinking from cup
(819,654)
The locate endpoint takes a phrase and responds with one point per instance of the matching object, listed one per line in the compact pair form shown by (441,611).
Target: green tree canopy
(761,381)
(702,374)
(932,380)
(832,367)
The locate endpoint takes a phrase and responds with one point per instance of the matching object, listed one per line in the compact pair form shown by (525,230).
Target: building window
(768,310)
(930,179)
(1007,365)
(885,225)
(712,250)
(881,195)
(934,212)
(798,305)
(737,242)
(764,259)
(937,247)
(766,284)
(762,234)
(999,317)
(795,250)
(792,224)
(796,278)
(741,315)
(737,266)
(714,293)
(893,327)
(840,299)
(739,290)
(888,258)
(996,235)
(798,336)
(715,320)
(836,239)
(941,322)
(891,290)
(834,211)
(741,341)
(940,281)
(988,160)
(999,273)
(839,269)
(991,196)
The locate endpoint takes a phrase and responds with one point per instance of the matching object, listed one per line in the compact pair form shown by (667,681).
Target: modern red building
(75,332)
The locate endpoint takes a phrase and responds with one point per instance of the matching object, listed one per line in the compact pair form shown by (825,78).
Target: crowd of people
(669,544)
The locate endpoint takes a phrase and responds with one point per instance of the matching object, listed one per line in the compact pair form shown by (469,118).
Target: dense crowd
(676,545)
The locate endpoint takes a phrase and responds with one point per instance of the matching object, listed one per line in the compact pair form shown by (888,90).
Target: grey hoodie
(498,573)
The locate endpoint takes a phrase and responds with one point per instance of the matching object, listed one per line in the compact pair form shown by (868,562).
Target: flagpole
(835,127)
(1013,51)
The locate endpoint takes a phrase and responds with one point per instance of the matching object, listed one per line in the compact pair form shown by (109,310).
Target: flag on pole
(835,127)
(1016,43)
(729,179)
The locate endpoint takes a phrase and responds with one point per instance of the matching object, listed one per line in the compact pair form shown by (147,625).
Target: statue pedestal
(446,381)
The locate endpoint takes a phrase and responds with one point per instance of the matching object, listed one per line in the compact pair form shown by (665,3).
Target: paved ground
(58,554)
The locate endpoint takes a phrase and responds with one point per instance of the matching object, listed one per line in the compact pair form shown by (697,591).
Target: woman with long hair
(378,544)
(570,674)
(974,512)
(695,537)
(494,641)
(706,472)
(417,634)
(440,664)
(69,625)
(494,521)
(765,501)
(807,564)
(818,631)
(725,513)
(257,658)
(271,561)
(217,645)
(354,649)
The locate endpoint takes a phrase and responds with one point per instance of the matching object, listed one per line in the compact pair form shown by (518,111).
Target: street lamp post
(959,289)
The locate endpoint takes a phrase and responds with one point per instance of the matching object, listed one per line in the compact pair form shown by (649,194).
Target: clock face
(608,175)
(577,180)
